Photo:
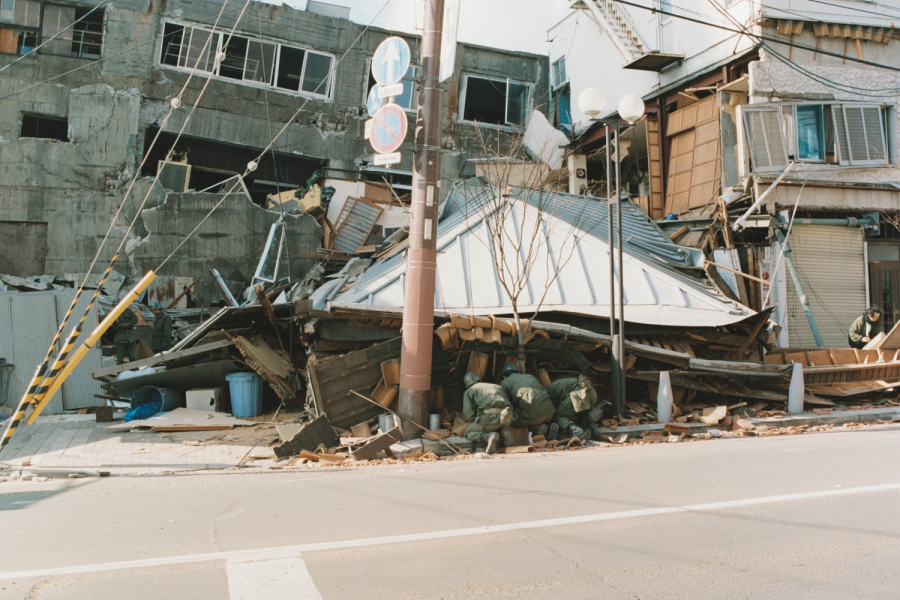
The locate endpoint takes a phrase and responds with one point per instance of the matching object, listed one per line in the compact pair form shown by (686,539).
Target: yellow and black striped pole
(49,376)
(61,370)
(38,376)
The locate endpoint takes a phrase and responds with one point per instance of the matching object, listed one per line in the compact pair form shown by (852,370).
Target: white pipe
(742,222)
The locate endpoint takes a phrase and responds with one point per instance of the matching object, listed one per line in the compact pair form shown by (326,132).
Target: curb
(834,418)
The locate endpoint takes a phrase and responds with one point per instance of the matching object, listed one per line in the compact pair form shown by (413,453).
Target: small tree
(522,214)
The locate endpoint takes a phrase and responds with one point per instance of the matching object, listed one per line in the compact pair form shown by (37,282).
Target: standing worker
(574,398)
(488,411)
(162,329)
(529,399)
(867,326)
(125,340)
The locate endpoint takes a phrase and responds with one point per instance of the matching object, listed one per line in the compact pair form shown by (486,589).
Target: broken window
(199,49)
(20,22)
(87,34)
(559,73)
(495,101)
(171,44)
(245,59)
(45,126)
(834,133)
(58,22)
(564,112)
(406,100)
(290,68)
(765,138)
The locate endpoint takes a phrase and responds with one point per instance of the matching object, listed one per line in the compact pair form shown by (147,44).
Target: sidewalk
(58,446)
(64,444)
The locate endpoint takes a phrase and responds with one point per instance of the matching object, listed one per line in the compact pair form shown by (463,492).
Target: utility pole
(421,259)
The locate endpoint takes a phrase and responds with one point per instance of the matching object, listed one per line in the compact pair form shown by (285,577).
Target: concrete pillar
(796,391)
(577,164)
(664,398)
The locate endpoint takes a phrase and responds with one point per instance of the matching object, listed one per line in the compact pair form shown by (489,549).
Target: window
(665,5)
(833,133)
(64,30)
(44,126)
(245,59)
(564,112)
(559,73)
(20,23)
(495,101)
(408,99)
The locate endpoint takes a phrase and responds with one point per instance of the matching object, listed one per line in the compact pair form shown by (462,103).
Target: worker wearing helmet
(488,411)
(529,399)
(573,398)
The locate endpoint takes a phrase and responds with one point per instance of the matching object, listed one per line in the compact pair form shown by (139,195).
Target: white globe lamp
(591,102)
(631,108)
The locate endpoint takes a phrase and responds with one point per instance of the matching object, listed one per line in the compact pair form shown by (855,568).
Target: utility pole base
(413,405)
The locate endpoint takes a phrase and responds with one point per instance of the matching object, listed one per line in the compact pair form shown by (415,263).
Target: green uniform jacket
(485,396)
(125,325)
(528,397)
(162,332)
(858,329)
(561,394)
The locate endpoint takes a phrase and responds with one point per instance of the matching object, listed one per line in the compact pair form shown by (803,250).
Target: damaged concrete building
(764,122)
(90,109)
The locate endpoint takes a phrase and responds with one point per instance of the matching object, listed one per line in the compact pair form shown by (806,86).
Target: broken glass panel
(171,44)
(290,68)
(235,57)
(516,102)
(315,76)
(200,50)
(260,62)
(58,22)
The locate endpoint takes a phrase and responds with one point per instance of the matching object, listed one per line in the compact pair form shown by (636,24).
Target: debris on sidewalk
(185,419)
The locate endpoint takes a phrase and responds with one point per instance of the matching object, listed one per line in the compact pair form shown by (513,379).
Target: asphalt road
(812,516)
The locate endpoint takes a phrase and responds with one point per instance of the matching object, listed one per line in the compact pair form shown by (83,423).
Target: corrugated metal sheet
(832,266)
(211,374)
(660,287)
(79,389)
(28,322)
(354,225)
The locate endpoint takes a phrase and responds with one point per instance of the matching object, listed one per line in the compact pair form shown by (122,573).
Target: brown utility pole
(421,259)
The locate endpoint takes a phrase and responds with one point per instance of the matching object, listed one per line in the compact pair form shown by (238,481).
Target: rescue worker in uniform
(162,329)
(125,340)
(867,326)
(529,399)
(488,411)
(574,398)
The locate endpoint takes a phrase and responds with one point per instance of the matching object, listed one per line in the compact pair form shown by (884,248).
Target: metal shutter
(860,133)
(832,266)
(765,138)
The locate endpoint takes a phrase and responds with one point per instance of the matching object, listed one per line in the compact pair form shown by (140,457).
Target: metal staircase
(615,21)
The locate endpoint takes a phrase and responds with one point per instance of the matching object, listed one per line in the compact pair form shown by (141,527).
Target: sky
(509,24)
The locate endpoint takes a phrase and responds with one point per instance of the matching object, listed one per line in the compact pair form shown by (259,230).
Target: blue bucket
(246,394)
(168,398)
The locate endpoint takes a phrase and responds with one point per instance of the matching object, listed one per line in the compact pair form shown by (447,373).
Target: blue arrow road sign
(374,101)
(391,60)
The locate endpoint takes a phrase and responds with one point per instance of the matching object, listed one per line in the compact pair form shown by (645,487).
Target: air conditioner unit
(174,176)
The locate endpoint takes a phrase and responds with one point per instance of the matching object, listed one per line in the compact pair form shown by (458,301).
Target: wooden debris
(712,415)
(376,444)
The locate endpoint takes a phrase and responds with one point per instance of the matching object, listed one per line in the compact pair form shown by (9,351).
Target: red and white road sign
(389,127)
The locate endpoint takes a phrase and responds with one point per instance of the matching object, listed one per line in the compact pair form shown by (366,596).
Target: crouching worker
(574,398)
(867,326)
(488,411)
(529,399)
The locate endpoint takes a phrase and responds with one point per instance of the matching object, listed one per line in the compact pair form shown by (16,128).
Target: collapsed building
(769,141)
(78,115)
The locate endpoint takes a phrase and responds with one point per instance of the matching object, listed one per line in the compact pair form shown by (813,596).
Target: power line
(761,36)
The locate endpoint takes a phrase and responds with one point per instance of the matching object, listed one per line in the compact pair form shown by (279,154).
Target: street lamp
(591,102)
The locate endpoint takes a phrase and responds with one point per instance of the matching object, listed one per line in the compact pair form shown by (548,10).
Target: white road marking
(292,552)
(275,579)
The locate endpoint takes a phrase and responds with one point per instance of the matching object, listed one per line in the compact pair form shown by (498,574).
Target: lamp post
(591,101)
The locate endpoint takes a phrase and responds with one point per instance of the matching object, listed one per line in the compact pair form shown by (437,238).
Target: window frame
(843,148)
(464,90)
(555,84)
(188,30)
(45,29)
